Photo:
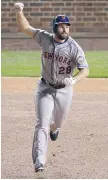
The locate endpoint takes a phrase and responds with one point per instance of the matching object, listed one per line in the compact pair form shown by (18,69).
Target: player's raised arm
(22,21)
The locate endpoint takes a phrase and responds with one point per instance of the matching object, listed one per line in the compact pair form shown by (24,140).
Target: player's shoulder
(73,42)
(43,33)
(46,33)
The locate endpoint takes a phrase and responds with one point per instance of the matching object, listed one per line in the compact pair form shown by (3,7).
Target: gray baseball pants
(52,106)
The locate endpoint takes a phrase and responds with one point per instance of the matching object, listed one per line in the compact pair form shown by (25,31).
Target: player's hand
(18,7)
(69,81)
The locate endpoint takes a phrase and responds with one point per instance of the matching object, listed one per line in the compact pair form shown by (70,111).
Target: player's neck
(59,40)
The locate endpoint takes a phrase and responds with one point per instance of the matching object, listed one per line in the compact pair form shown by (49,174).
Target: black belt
(55,86)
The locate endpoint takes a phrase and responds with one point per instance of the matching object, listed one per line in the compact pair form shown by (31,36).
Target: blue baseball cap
(61,19)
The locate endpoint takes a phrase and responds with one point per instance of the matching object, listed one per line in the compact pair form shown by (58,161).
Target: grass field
(28,63)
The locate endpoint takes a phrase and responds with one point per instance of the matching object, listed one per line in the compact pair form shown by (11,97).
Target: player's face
(62,31)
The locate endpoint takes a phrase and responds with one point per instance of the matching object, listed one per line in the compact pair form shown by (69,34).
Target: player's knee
(40,125)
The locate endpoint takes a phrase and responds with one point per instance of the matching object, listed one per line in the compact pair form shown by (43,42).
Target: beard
(62,36)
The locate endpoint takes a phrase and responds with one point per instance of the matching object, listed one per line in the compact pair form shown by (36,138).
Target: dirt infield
(81,151)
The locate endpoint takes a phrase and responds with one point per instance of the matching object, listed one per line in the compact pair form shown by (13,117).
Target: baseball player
(60,56)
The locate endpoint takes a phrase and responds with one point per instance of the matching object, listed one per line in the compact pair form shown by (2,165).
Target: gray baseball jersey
(59,59)
(52,105)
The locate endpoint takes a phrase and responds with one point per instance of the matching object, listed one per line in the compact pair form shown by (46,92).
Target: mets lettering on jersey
(59,59)
(63,59)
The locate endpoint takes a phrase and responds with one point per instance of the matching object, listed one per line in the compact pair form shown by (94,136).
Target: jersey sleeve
(41,36)
(80,59)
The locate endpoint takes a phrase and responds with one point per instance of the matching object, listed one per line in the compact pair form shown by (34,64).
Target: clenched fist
(18,7)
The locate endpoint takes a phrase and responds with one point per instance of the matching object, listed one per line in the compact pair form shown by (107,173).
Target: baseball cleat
(39,167)
(54,135)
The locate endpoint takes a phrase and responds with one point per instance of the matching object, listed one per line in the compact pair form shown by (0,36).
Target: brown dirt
(81,151)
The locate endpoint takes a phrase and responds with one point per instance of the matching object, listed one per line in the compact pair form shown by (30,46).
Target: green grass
(28,63)
(98,63)
(20,63)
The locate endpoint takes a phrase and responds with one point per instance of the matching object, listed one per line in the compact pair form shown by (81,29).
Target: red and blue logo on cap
(62,19)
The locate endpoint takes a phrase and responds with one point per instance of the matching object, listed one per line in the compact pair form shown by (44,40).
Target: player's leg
(44,108)
(61,107)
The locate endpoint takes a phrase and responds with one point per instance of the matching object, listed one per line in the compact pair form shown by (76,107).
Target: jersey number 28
(63,70)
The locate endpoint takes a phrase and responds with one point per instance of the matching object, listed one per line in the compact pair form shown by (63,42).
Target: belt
(55,86)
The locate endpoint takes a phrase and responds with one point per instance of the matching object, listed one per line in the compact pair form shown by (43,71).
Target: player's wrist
(19,12)
(73,81)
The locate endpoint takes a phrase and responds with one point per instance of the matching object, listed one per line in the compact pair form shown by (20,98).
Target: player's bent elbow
(84,71)
(27,31)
